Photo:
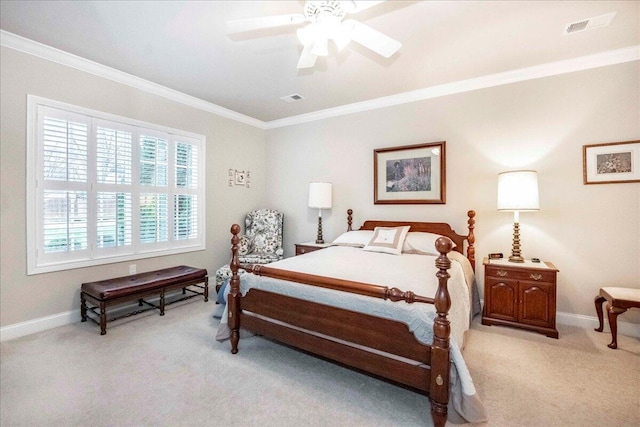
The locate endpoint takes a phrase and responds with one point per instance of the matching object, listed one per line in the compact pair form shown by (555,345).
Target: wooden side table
(522,295)
(306,247)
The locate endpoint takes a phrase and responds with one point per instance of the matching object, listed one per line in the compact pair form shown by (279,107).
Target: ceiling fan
(325,22)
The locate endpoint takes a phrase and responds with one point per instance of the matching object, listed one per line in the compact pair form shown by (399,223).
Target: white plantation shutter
(154,218)
(103,188)
(65,223)
(113,156)
(63,184)
(114,220)
(185,202)
(186,217)
(114,170)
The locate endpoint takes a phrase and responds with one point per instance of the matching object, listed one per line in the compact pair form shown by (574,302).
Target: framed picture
(412,174)
(611,163)
(240,177)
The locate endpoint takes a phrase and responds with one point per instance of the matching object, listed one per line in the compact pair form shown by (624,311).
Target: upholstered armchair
(261,242)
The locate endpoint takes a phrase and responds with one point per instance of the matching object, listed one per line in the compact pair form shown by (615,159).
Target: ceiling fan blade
(307,57)
(250,24)
(353,6)
(372,39)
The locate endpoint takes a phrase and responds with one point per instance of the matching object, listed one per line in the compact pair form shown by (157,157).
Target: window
(103,188)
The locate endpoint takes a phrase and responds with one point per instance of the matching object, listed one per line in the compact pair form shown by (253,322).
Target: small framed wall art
(411,174)
(611,163)
(238,177)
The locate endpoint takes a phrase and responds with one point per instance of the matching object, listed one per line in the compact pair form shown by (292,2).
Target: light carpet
(169,371)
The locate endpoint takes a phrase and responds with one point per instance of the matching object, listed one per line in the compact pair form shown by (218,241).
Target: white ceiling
(183,46)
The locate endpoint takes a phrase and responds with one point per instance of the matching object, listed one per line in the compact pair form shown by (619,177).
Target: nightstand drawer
(530,274)
(305,248)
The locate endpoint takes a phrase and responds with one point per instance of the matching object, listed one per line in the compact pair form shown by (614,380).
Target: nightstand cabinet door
(537,301)
(501,299)
(520,296)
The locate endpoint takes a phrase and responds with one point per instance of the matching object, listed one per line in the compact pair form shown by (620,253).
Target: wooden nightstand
(306,247)
(521,295)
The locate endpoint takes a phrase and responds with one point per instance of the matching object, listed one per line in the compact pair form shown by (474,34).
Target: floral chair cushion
(263,230)
(261,243)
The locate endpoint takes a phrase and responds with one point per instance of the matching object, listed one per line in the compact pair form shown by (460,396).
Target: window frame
(38,262)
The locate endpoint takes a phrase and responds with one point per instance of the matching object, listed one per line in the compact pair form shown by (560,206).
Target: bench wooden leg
(83,308)
(598,302)
(613,313)
(162,303)
(103,319)
(206,289)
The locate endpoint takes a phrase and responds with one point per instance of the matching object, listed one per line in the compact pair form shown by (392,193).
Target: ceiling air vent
(292,98)
(589,24)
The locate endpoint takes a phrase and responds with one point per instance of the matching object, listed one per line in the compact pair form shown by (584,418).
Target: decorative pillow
(356,239)
(421,243)
(387,240)
(245,245)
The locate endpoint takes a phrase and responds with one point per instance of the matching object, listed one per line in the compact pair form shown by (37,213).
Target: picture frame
(410,174)
(240,177)
(611,163)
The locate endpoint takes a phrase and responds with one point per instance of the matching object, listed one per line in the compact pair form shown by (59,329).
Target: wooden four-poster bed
(373,344)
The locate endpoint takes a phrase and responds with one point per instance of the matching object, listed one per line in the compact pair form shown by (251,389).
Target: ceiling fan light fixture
(320,47)
(341,36)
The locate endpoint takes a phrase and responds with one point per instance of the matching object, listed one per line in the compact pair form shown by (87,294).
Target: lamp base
(319,239)
(515,247)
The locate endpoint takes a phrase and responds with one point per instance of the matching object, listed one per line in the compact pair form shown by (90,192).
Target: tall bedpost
(471,249)
(234,294)
(440,356)
(349,219)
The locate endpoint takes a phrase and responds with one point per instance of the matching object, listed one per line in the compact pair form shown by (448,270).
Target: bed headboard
(441,228)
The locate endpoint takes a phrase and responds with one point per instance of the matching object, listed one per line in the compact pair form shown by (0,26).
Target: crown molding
(40,50)
(602,59)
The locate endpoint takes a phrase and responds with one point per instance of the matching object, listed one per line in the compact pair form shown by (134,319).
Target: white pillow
(388,240)
(357,239)
(418,242)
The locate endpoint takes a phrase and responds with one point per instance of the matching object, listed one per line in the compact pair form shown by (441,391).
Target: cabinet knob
(536,276)
(501,273)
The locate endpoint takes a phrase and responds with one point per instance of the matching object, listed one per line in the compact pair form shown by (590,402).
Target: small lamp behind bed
(320,198)
(518,191)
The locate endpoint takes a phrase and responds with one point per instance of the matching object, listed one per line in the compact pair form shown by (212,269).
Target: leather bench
(119,290)
(618,300)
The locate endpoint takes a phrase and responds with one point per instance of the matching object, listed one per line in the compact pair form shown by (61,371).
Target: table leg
(103,319)
(598,302)
(613,313)
(83,308)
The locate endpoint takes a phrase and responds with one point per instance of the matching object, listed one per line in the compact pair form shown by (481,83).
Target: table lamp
(518,192)
(320,198)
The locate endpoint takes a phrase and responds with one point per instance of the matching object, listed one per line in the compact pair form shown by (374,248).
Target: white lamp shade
(518,191)
(320,195)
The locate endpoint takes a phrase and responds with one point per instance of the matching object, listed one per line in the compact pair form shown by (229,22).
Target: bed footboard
(299,326)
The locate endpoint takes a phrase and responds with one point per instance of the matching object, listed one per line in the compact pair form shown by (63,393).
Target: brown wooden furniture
(430,376)
(106,293)
(520,295)
(618,300)
(306,247)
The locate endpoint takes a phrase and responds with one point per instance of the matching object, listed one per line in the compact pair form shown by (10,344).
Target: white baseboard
(29,327)
(21,329)
(591,322)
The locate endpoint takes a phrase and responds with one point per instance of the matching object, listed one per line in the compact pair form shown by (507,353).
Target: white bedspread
(408,272)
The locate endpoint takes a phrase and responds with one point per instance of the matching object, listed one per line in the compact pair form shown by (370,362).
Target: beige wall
(229,145)
(590,232)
